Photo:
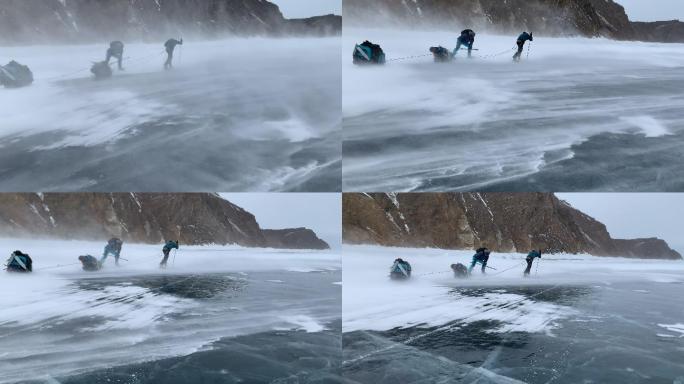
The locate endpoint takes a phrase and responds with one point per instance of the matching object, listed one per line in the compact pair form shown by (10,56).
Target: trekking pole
(529,46)
(536,270)
(174,257)
(180,58)
(492,268)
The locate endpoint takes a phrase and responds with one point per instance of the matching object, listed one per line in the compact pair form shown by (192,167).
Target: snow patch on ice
(433,297)
(372,302)
(110,318)
(303,269)
(678,328)
(305,322)
(648,125)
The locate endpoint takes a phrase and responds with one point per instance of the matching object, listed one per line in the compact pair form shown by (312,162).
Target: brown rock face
(503,222)
(192,218)
(590,18)
(39,21)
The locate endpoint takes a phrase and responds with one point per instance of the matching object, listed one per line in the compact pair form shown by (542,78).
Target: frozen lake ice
(578,115)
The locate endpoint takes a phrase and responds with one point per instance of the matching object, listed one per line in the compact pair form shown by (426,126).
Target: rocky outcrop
(328,25)
(589,18)
(42,21)
(660,31)
(504,222)
(191,218)
(297,238)
(652,248)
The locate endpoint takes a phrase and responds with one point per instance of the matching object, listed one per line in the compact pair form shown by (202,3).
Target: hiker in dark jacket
(522,39)
(530,258)
(113,247)
(116,50)
(166,250)
(481,256)
(467,38)
(170,46)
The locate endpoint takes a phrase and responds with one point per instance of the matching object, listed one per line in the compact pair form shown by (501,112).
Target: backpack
(19,262)
(101,70)
(368,53)
(15,75)
(89,263)
(460,270)
(441,54)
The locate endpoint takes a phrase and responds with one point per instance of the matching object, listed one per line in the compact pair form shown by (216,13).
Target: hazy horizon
(654,10)
(634,215)
(320,212)
(293,9)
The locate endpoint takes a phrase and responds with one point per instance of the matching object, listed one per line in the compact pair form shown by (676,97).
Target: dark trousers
(529,266)
(169,59)
(474,262)
(521,45)
(459,43)
(166,255)
(107,253)
(118,56)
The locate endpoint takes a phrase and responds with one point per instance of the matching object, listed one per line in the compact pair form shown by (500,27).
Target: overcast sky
(634,215)
(653,10)
(321,212)
(306,8)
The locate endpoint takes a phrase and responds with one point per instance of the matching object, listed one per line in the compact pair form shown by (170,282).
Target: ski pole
(180,54)
(174,257)
(491,268)
(536,271)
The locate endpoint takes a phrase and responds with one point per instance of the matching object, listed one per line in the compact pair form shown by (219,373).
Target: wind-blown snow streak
(372,302)
(234,115)
(487,123)
(61,320)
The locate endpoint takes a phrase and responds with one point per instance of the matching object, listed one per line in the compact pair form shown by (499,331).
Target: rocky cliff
(296,238)
(192,218)
(41,21)
(503,222)
(589,18)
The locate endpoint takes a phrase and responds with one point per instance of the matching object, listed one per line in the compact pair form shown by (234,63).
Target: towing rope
(492,55)
(57,266)
(508,269)
(409,57)
(127,59)
(484,57)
